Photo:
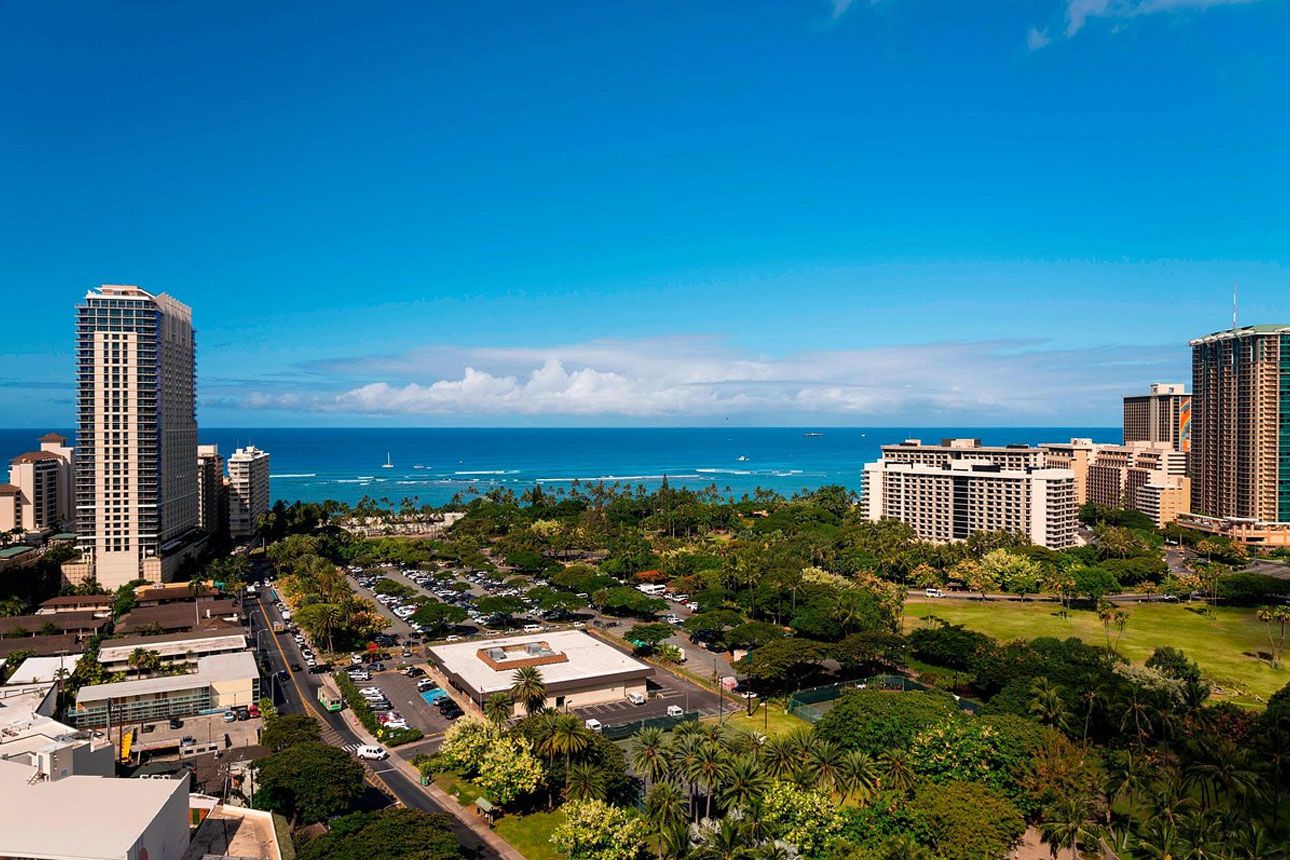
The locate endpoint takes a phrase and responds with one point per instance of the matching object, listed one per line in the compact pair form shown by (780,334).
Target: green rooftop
(12,551)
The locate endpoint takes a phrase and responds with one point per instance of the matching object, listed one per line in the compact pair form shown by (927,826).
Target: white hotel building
(248,490)
(948,491)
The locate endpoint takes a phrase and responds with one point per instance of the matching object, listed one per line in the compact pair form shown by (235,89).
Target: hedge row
(356,702)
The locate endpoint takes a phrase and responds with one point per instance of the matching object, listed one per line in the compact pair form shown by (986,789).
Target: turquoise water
(346,464)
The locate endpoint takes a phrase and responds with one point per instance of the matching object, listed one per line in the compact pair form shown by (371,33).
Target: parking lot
(402,693)
(205,729)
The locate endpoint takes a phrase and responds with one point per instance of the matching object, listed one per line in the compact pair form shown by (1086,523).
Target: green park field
(1224,642)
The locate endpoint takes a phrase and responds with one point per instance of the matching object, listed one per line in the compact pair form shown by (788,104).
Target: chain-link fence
(622,731)
(813,703)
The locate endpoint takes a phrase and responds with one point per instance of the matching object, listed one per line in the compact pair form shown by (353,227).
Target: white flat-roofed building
(114,654)
(578,669)
(91,817)
(30,735)
(947,492)
(42,670)
(248,490)
(221,681)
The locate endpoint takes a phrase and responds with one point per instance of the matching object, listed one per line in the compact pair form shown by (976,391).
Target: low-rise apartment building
(221,681)
(171,648)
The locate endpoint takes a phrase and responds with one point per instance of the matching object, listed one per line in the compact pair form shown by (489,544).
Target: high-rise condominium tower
(1164,415)
(248,490)
(1240,450)
(136,479)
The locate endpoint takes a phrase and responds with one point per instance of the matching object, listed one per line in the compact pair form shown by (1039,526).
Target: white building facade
(136,477)
(248,490)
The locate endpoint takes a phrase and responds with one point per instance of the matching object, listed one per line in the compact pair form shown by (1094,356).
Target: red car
(253,711)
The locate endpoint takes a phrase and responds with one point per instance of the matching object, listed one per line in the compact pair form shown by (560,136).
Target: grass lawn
(463,789)
(769,719)
(531,834)
(1224,645)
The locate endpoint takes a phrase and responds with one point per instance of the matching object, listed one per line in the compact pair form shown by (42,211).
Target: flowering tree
(801,817)
(501,764)
(594,830)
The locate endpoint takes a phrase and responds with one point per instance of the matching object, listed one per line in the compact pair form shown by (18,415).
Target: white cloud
(1078,12)
(840,8)
(684,379)
(1037,39)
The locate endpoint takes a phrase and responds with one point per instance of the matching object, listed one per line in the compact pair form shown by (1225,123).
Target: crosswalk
(350,748)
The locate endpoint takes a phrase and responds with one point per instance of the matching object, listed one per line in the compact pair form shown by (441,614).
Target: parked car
(933,592)
(593,725)
(253,711)
(674,711)
(176,723)
(295,667)
(187,741)
(636,698)
(230,717)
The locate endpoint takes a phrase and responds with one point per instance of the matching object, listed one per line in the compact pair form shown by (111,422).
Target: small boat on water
(387,464)
(742,459)
(418,466)
(812,435)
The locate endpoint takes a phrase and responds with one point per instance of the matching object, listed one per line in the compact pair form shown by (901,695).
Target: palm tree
(905,848)
(569,736)
(137,660)
(685,754)
(895,769)
(709,770)
(527,686)
(649,755)
(330,617)
(1047,704)
(499,708)
(727,841)
(859,774)
(666,811)
(1227,771)
(584,781)
(744,783)
(1069,825)
(779,758)
(772,850)
(827,763)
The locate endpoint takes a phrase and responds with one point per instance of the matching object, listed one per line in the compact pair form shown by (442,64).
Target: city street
(299,695)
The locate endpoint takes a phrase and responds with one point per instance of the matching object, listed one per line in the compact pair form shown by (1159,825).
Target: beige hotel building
(136,456)
(948,491)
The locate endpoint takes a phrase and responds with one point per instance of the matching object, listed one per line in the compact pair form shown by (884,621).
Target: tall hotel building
(248,490)
(136,469)
(1163,417)
(1240,447)
(948,491)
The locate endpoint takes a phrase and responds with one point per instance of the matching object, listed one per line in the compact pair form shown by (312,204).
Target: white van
(372,752)
(593,725)
(674,711)
(532,628)
(933,592)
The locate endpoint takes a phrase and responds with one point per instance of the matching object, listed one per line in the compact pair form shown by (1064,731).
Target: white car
(636,698)
(933,592)
(397,724)
(372,752)
(367,691)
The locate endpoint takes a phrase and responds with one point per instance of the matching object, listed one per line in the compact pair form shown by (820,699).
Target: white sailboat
(387,464)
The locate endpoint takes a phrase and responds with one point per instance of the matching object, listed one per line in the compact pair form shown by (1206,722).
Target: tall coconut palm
(584,781)
(528,687)
(745,781)
(1047,705)
(709,770)
(684,755)
(499,708)
(570,737)
(666,811)
(648,755)
(1069,826)
(137,660)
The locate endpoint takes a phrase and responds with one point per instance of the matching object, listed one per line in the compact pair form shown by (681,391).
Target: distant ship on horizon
(812,434)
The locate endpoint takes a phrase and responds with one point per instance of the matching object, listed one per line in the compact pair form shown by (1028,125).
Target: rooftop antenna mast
(1233,304)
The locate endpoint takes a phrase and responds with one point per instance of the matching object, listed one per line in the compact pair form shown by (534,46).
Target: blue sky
(867,212)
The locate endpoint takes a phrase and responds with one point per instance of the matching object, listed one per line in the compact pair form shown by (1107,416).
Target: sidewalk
(441,797)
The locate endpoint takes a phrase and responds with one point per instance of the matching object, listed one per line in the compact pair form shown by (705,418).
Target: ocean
(431,465)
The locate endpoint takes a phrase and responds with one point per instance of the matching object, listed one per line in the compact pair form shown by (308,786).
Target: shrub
(1251,589)
(357,704)
(950,645)
(969,821)
(873,720)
